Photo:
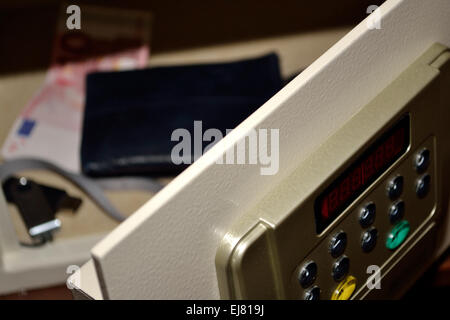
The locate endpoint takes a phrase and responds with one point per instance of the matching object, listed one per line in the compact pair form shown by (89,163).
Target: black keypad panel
(340,268)
(367,215)
(308,274)
(369,239)
(338,244)
(312,294)
(422,160)
(395,187)
(393,197)
(397,211)
(423,186)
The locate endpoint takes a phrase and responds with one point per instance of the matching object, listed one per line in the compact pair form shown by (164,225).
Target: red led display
(374,161)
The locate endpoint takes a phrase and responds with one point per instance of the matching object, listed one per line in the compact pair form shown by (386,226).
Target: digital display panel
(361,174)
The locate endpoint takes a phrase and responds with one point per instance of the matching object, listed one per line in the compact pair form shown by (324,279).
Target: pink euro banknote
(49,126)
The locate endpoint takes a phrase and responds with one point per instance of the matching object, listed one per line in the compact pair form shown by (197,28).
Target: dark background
(27,26)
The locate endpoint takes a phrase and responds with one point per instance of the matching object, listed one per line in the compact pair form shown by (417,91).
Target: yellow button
(345,289)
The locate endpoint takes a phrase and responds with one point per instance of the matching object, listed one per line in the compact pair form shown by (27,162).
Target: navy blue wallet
(130,116)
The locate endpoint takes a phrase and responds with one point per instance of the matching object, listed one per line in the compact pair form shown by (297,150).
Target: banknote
(49,127)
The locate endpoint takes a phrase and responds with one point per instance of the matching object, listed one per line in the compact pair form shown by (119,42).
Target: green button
(397,235)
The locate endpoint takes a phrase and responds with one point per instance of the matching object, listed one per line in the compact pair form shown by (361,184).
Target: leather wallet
(130,116)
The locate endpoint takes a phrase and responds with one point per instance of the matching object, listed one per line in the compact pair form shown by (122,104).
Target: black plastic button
(396,211)
(338,244)
(313,294)
(423,186)
(422,160)
(307,274)
(340,268)
(369,239)
(395,187)
(367,215)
